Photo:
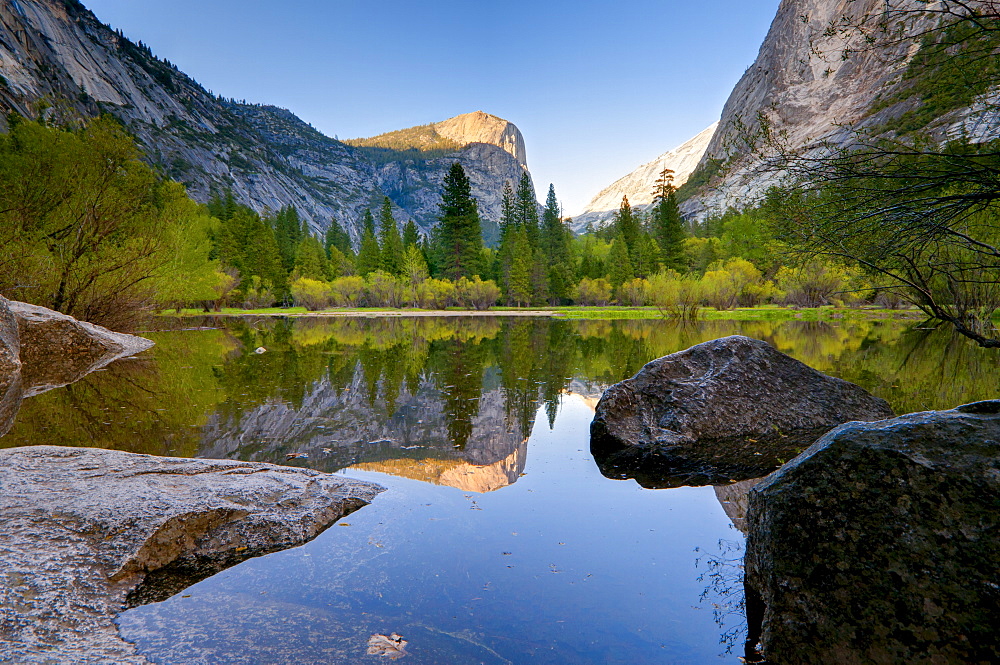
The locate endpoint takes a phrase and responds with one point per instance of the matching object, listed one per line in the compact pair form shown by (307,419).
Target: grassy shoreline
(761,313)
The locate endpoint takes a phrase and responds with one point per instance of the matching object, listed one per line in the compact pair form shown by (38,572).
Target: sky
(596,87)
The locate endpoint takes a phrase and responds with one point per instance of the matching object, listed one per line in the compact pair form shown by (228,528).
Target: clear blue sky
(597,88)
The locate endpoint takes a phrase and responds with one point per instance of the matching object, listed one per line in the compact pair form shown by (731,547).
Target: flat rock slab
(88,532)
(730,409)
(879,544)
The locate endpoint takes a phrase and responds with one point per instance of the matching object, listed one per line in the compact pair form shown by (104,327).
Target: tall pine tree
(459,239)
(667,223)
(337,237)
(369,259)
(391,246)
(526,209)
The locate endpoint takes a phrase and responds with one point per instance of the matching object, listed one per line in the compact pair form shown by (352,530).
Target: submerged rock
(57,349)
(879,543)
(730,409)
(88,532)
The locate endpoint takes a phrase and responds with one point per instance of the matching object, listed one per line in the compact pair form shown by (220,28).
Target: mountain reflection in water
(498,540)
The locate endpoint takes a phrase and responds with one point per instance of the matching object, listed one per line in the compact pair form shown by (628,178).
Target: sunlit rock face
(729,409)
(267,156)
(815,86)
(640,184)
(88,532)
(879,543)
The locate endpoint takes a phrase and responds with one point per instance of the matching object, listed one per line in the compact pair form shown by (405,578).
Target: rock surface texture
(728,409)
(87,532)
(879,543)
(56,349)
(10,344)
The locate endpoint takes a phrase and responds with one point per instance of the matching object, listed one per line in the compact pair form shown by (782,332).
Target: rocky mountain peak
(482,127)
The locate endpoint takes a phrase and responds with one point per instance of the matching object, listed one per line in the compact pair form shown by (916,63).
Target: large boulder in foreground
(57,349)
(730,409)
(879,544)
(87,532)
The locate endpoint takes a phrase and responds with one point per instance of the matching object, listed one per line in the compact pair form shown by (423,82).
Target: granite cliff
(639,184)
(58,61)
(817,82)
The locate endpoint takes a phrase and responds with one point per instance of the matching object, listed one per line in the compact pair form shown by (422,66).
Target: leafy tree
(391,246)
(369,255)
(517,285)
(459,235)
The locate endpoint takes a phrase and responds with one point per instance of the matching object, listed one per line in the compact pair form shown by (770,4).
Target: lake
(498,540)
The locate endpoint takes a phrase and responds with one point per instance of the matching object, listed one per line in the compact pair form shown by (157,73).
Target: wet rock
(87,532)
(10,346)
(56,349)
(879,543)
(730,409)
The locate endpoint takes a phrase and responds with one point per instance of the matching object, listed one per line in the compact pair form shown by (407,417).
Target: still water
(497,540)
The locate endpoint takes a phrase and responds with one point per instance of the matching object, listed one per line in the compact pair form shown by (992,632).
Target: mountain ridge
(59,62)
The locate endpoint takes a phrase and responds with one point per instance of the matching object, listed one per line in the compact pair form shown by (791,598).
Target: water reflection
(446,400)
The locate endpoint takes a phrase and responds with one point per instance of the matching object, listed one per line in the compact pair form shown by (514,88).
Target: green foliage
(951,69)
(312,294)
(337,237)
(369,255)
(667,224)
(390,244)
(675,295)
(458,238)
(817,282)
(288,233)
(593,292)
(311,259)
(87,229)
(411,236)
(621,269)
(476,294)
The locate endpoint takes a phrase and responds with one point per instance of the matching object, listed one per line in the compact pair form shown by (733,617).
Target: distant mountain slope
(639,184)
(58,60)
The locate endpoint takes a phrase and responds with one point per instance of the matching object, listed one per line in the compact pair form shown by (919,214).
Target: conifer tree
(621,265)
(508,213)
(518,279)
(369,259)
(411,235)
(667,223)
(459,240)
(556,248)
(391,246)
(310,259)
(337,237)
(526,209)
(626,226)
(288,233)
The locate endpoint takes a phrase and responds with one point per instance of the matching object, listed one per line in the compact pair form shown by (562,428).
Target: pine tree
(518,282)
(526,209)
(555,244)
(667,223)
(626,226)
(411,235)
(508,213)
(310,259)
(337,237)
(288,233)
(391,246)
(459,239)
(621,265)
(369,258)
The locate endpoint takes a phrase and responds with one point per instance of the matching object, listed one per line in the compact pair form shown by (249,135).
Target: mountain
(817,84)
(638,185)
(58,61)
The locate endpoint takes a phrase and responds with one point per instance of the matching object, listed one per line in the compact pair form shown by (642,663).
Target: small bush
(476,294)
(592,292)
(312,294)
